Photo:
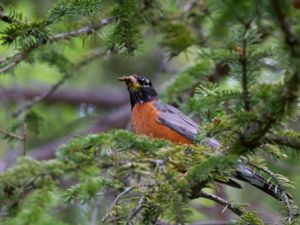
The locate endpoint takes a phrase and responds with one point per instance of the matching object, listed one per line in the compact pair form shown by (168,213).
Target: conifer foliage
(242,86)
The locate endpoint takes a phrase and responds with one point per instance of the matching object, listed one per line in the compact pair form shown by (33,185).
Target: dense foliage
(238,76)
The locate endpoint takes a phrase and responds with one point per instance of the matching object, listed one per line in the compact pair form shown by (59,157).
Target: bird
(151,117)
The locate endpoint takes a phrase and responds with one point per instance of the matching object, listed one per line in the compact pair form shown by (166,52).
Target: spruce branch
(92,56)
(279,186)
(11,61)
(286,138)
(288,94)
(282,19)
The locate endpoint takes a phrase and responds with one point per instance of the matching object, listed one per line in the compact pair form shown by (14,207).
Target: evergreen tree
(242,84)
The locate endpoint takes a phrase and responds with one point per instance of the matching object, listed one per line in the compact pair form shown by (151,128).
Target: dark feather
(176,120)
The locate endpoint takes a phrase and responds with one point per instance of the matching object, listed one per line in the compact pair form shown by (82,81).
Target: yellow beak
(124,78)
(131,81)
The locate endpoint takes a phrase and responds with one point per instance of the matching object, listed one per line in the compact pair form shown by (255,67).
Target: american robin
(149,116)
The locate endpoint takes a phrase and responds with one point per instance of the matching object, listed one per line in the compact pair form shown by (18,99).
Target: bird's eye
(144,82)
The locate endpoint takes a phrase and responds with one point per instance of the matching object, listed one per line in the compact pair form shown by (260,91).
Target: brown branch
(97,97)
(12,61)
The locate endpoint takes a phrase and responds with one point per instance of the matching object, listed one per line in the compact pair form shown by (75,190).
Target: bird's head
(140,89)
(135,82)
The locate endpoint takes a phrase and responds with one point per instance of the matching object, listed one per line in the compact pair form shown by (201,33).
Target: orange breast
(144,121)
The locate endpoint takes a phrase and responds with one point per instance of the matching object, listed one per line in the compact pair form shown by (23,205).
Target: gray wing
(176,120)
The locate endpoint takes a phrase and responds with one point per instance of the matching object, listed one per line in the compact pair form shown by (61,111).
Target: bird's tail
(244,173)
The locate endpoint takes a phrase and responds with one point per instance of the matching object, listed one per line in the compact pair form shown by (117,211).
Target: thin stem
(10,134)
(116,201)
(136,210)
(24,137)
(235,209)
(11,65)
(244,65)
(54,87)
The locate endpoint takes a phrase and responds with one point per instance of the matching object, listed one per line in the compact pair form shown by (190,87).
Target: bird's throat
(142,95)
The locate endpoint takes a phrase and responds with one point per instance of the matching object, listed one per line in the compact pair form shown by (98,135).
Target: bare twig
(116,201)
(82,31)
(123,193)
(8,58)
(54,87)
(136,210)
(10,134)
(40,98)
(12,61)
(235,209)
(11,65)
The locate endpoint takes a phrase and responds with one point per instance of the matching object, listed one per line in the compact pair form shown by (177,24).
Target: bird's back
(144,119)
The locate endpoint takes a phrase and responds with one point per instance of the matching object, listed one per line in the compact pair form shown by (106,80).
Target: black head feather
(140,89)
